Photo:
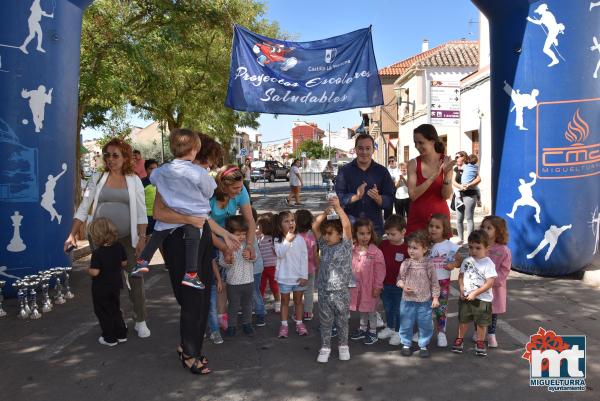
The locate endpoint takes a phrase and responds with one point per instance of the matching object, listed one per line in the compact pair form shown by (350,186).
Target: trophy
(58,297)
(2,311)
(21,296)
(68,293)
(45,277)
(331,194)
(32,285)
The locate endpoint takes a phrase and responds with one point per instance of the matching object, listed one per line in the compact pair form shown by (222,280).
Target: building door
(406,154)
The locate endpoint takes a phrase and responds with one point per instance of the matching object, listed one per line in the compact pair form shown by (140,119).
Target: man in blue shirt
(365,187)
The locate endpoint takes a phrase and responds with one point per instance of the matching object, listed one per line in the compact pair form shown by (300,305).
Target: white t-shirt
(441,254)
(476,272)
(292,261)
(294,180)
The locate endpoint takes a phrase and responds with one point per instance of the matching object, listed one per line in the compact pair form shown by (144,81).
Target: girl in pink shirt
(368,267)
(497,232)
(304,220)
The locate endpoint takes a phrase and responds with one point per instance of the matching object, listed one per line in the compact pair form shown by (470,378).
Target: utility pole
(329,157)
(162,142)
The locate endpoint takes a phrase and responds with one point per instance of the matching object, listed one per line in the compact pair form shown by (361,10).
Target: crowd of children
(350,269)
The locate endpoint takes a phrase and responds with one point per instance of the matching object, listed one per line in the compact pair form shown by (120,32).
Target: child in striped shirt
(267,251)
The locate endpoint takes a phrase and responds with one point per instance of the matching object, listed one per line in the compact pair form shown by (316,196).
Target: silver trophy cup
(45,277)
(59,299)
(32,285)
(67,281)
(22,298)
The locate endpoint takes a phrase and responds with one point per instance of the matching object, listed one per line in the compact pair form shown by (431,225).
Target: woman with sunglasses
(118,194)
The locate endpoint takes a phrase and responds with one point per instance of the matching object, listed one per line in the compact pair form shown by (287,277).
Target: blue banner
(39,75)
(324,76)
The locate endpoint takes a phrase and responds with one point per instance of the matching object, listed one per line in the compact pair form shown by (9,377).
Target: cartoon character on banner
(34,26)
(521,101)
(48,196)
(551,239)
(552,29)
(526,198)
(594,4)
(272,53)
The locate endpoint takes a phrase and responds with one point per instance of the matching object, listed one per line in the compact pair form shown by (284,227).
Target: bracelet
(447,182)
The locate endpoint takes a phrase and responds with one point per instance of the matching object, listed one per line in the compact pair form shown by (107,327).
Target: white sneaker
(277,306)
(344,352)
(492,342)
(380,322)
(395,339)
(142,329)
(103,342)
(442,341)
(385,333)
(415,337)
(323,355)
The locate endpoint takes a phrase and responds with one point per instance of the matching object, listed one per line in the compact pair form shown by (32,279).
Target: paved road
(58,357)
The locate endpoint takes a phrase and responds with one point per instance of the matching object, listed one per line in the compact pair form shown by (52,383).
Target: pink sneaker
(223,321)
(301,329)
(283,331)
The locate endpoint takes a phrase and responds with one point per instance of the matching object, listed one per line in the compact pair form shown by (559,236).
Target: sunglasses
(457,156)
(109,155)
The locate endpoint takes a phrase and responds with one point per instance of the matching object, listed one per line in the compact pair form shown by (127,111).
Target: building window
(474,142)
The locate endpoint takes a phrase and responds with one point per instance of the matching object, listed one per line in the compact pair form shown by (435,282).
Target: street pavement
(58,357)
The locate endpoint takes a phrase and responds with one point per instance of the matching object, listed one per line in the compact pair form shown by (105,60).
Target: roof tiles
(457,53)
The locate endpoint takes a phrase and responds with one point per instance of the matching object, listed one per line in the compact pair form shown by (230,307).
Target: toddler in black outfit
(108,260)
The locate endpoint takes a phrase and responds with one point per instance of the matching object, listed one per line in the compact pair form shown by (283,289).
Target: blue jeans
(419,312)
(391,297)
(259,304)
(213,321)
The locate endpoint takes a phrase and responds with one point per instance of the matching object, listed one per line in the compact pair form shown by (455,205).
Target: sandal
(197,367)
(203,358)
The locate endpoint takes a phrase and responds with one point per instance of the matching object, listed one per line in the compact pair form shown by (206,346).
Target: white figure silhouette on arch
(594,4)
(596,46)
(548,23)
(551,239)
(34,26)
(595,223)
(38,98)
(521,101)
(526,198)
(48,195)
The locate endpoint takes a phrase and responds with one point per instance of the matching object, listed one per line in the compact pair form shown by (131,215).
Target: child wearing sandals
(334,238)
(368,267)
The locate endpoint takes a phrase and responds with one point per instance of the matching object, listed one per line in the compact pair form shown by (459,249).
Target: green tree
(313,149)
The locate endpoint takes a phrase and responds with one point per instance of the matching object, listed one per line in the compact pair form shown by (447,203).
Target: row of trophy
(29,286)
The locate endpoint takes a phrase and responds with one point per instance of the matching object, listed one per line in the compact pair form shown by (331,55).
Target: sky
(398,29)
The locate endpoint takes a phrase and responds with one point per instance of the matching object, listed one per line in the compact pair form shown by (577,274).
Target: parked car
(268,170)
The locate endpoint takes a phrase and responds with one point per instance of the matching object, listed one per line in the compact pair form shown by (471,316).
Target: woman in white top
(295,183)
(118,194)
